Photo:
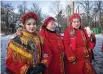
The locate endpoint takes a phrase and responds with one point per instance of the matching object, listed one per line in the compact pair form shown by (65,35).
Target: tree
(56,9)
(88,7)
(22,8)
(8,17)
(6,13)
(68,13)
(100,15)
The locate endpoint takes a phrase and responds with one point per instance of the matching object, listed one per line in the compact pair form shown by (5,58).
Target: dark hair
(19,26)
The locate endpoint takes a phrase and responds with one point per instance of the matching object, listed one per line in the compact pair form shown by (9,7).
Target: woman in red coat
(92,40)
(24,52)
(53,48)
(77,48)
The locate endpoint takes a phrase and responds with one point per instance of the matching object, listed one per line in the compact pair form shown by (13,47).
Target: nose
(31,25)
(77,23)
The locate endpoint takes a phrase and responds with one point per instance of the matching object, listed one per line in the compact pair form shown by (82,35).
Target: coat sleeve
(68,50)
(14,66)
(47,53)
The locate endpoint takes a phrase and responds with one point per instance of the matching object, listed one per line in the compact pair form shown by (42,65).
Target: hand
(36,70)
(89,32)
(40,67)
(31,70)
(74,62)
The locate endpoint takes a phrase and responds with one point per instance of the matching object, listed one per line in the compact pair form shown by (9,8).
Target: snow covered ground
(4,43)
(97,63)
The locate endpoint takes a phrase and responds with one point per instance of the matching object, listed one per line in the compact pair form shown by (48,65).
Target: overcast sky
(44,4)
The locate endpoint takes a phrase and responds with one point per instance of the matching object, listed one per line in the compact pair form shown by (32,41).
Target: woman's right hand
(40,68)
(31,70)
(74,62)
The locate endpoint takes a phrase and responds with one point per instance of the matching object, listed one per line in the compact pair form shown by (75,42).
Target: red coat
(102,47)
(92,45)
(77,48)
(52,52)
(20,56)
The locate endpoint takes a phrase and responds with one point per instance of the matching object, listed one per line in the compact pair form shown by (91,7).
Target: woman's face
(19,31)
(76,23)
(51,26)
(30,25)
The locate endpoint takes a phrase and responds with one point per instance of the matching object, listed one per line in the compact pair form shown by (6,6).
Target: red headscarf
(29,15)
(75,15)
(48,20)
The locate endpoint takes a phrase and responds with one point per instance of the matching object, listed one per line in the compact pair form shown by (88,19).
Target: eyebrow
(30,22)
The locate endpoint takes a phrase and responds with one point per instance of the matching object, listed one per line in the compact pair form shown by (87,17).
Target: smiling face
(76,23)
(51,26)
(30,25)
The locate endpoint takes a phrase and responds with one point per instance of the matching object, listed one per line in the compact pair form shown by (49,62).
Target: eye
(28,24)
(78,21)
(34,23)
(74,21)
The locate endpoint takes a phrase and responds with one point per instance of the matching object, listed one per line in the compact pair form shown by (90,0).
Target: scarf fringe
(21,58)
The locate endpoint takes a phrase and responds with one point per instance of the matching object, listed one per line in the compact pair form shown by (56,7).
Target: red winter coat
(92,45)
(52,52)
(102,47)
(20,56)
(77,48)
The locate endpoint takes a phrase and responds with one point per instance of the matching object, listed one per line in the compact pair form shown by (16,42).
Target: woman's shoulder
(16,39)
(68,29)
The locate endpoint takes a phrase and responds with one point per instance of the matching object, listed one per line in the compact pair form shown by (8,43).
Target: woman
(77,48)
(92,39)
(53,48)
(18,31)
(24,52)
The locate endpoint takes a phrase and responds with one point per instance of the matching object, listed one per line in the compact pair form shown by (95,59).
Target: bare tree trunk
(73,7)
(95,22)
(100,23)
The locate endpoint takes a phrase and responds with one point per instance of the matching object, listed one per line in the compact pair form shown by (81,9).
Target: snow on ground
(4,43)
(97,63)
(1,34)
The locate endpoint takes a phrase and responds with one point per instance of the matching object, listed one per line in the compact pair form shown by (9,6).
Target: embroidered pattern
(89,69)
(23,70)
(72,33)
(85,44)
(72,58)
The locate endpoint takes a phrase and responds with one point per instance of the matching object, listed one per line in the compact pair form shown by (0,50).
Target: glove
(40,67)
(31,70)
(36,70)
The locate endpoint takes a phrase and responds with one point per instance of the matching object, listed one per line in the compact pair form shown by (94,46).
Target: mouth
(32,29)
(77,25)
